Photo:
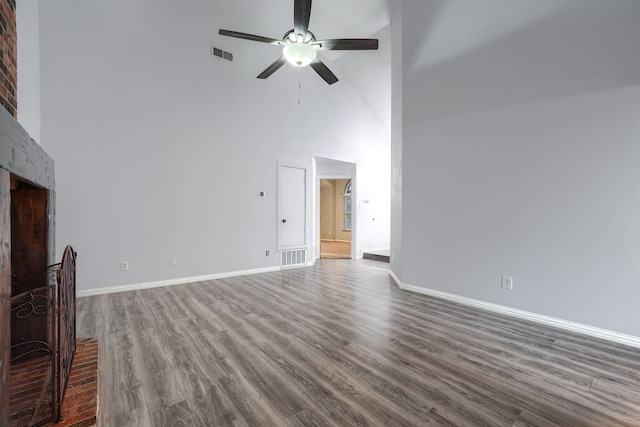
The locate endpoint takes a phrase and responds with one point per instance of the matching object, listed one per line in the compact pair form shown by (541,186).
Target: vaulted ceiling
(368,73)
(467,55)
(329,18)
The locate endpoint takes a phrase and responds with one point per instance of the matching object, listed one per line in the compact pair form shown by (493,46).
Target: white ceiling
(329,18)
(470,54)
(465,55)
(368,73)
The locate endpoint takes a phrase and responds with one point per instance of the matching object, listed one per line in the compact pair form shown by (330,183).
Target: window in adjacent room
(347,207)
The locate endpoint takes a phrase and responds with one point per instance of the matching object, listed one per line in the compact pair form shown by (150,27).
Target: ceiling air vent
(219,53)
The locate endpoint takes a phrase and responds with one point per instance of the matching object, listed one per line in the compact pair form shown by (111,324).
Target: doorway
(336,220)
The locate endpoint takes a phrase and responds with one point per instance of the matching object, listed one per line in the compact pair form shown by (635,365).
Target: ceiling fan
(300,44)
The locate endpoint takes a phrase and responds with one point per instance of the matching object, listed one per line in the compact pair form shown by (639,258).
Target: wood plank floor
(338,344)
(332,249)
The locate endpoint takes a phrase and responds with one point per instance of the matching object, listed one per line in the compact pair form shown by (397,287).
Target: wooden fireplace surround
(27,174)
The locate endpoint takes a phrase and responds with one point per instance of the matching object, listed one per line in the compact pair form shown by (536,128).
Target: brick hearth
(80,406)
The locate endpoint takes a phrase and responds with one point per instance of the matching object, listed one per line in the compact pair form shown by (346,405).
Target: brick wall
(8,56)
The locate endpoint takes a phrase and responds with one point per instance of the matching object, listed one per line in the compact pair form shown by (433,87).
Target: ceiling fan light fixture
(299,54)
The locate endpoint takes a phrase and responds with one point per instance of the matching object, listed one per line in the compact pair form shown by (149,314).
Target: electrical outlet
(173,261)
(507,282)
(124,266)
(267,253)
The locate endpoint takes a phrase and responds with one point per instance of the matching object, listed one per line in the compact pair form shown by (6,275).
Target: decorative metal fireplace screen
(43,343)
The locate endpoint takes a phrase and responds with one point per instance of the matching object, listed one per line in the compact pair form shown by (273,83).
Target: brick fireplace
(27,223)
(37,296)
(8,56)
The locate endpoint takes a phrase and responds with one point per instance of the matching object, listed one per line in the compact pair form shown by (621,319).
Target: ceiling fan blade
(251,37)
(272,68)
(347,44)
(323,71)
(301,16)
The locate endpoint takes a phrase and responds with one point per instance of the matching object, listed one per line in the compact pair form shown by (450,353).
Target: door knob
(284,220)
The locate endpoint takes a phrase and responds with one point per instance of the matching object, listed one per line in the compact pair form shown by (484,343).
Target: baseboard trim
(386,248)
(171,282)
(580,328)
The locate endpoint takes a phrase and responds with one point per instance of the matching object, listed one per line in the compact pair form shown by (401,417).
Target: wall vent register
(222,54)
(293,258)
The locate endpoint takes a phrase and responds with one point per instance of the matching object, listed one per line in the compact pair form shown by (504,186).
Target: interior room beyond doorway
(335,218)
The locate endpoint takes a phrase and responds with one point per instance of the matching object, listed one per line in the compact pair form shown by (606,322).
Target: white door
(292,207)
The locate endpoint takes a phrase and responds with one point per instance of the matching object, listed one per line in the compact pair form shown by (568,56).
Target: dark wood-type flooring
(339,344)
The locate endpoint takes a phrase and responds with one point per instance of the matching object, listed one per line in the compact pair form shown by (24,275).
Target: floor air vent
(293,258)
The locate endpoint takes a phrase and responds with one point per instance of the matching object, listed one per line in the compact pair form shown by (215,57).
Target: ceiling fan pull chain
(299,89)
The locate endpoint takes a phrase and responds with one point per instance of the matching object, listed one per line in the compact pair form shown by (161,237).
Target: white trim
(336,177)
(381,248)
(580,328)
(395,279)
(170,282)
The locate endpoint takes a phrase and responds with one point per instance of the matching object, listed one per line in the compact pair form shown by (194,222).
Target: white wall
(548,193)
(514,178)
(161,149)
(365,70)
(395,239)
(27,23)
